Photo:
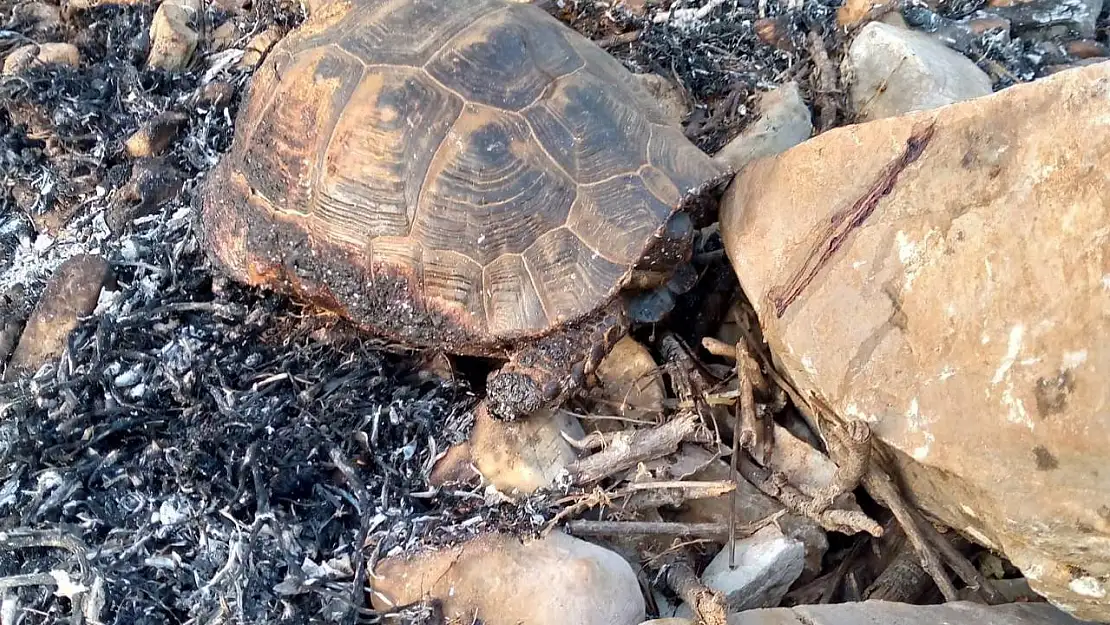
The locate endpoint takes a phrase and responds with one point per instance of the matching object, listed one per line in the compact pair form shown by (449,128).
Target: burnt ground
(208,453)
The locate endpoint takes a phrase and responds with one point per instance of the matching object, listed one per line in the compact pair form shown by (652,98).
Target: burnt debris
(200,450)
(205,451)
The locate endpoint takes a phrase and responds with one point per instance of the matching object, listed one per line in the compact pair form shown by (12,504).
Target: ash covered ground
(206,453)
(199,454)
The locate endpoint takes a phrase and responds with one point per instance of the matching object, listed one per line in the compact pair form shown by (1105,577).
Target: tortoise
(471,176)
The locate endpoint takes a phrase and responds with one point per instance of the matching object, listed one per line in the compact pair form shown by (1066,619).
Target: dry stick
(709,605)
(591,441)
(750,434)
(646,495)
(854,457)
(652,499)
(756,431)
(724,350)
(712,488)
(743,434)
(967,572)
(595,498)
(716,531)
(826,81)
(626,449)
(775,485)
(882,489)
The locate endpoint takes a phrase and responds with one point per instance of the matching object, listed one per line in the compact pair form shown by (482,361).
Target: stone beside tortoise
(465,175)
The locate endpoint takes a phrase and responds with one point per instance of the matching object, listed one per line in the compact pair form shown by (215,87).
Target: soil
(208,452)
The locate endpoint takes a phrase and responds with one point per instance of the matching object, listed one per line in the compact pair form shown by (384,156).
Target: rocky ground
(177,448)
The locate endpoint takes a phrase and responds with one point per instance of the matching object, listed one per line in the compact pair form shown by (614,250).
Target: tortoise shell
(453,173)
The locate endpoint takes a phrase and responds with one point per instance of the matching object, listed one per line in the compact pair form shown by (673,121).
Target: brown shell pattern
(504,170)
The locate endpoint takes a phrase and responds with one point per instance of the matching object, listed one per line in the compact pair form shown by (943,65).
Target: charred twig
(775,484)
(143,317)
(628,448)
(689,378)
(855,441)
(737,442)
(349,474)
(841,571)
(903,580)
(710,606)
(28,538)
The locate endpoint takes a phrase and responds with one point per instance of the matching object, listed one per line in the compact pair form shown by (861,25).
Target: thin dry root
(774,484)
(854,449)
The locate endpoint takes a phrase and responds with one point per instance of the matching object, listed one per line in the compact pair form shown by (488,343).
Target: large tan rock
(502,580)
(961,306)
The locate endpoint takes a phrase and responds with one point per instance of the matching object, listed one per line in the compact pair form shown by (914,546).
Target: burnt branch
(902,581)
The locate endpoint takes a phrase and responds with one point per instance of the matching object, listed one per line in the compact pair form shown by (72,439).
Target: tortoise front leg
(544,372)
